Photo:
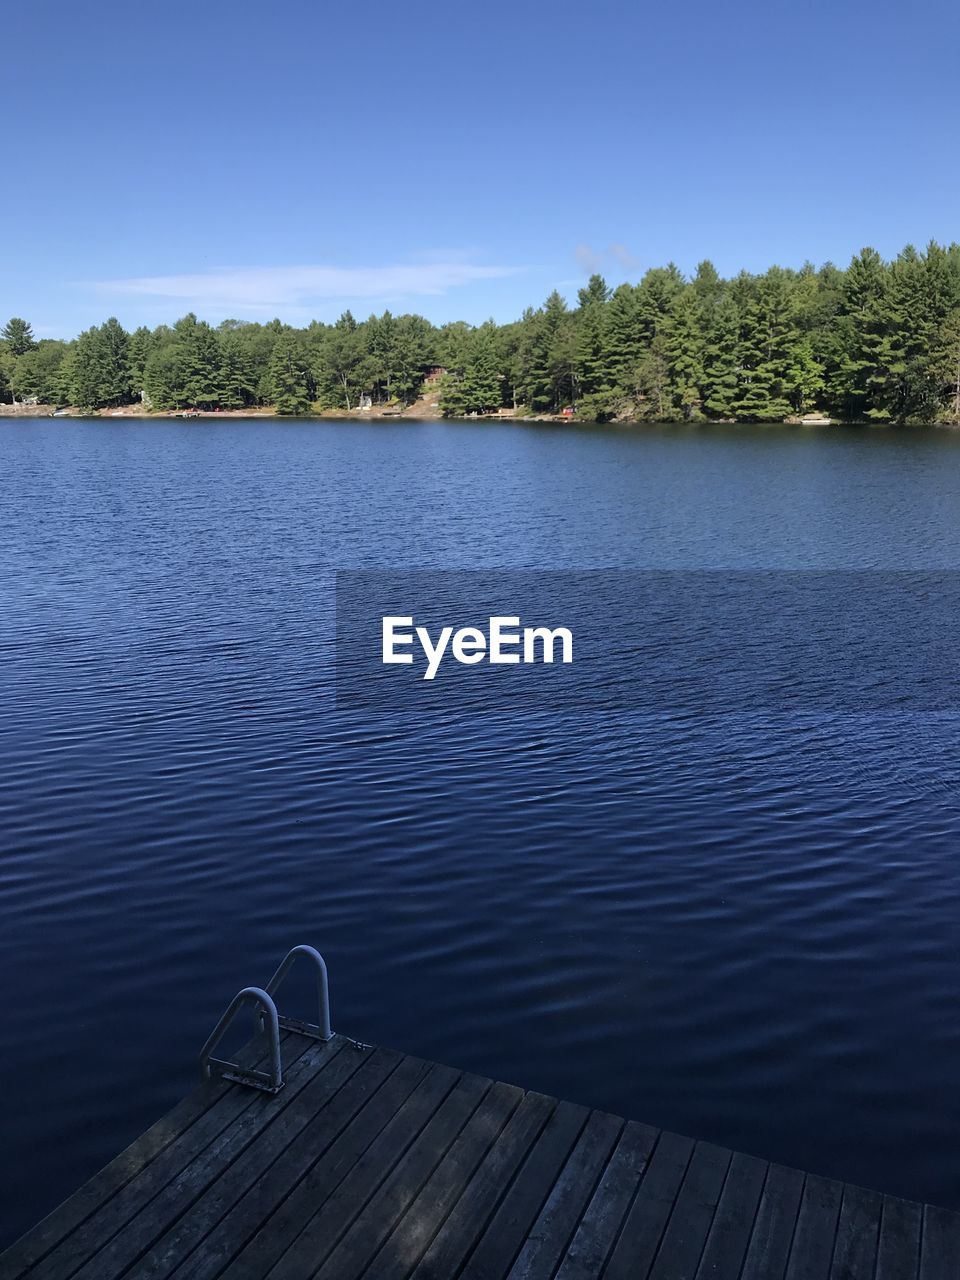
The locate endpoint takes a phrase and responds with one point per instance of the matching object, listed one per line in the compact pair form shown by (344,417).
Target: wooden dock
(370,1163)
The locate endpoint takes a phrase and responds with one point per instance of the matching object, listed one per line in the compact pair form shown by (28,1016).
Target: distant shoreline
(419,412)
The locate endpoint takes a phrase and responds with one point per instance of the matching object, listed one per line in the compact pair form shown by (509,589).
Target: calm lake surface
(743,928)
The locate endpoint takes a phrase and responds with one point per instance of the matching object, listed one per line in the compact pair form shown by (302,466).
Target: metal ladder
(267,1021)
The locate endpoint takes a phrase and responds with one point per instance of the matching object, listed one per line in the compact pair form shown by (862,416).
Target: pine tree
(480,388)
(721,375)
(947,363)
(138,351)
(551,356)
(288,376)
(624,340)
(768,350)
(201,363)
(653,382)
(100,368)
(237,389)
(864,332)
(17,336)
(684,347)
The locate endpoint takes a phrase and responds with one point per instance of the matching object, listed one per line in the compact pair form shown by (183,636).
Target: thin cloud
(588,261)
(591,262)
(624,256)
(267,288)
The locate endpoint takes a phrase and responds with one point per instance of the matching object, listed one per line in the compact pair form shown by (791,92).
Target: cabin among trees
(878,341)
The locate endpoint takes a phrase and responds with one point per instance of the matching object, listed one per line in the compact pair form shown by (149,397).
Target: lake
(738,926)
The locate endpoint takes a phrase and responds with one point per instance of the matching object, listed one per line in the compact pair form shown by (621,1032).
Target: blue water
(741,927)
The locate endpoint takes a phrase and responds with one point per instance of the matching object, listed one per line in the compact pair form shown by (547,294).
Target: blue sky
(460,160)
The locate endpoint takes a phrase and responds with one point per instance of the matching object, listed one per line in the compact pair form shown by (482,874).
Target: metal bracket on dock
(268,1022)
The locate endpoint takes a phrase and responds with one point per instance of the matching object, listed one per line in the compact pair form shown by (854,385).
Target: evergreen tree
(237,386)
(138,350)
(684,348)
(289,389)
(947,364)
(201,363)
(481,381)
(874,341)
(653,382)
(36,373)
(100,368)
(18,337)
(165,377)
(721,374)
(342,368)
(864,345)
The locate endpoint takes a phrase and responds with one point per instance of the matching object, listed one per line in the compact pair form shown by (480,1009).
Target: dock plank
(858,1231)
(315,1145)
(406,1245)
(729,1236)
(557,1221)
(380,1215)
(320,1113)
(454,1240)
(772,1235)
(374,1165)
(503,1237)
(940,1245)
(594,1238)
(52,1230)
(132,1234)
(811,1252)
(647,1217)
(898,1252)
(693,1212)
(324,1205)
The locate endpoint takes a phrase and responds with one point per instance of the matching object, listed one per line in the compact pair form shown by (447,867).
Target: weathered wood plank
(769,1247)
(898,1254)
(409,1240)
(940,1244)
(813,1240)
(352,1124)
(647,1217)
(689,1224)
(184,1162)
(558,1219)
(858,1230)
(371,1165)
(604,1215)
(379,1216)
(729,1236)
(137,1233)
(456,1237)
(40,1240)
(337,1188)
(503,1236)
(321,1111)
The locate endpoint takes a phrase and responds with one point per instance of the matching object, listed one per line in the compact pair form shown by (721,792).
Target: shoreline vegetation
(877,342)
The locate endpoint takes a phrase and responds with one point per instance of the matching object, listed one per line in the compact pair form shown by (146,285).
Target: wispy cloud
(245,289)
(590,261)
(624,256)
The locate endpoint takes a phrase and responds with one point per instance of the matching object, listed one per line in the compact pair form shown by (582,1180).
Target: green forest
(878,341)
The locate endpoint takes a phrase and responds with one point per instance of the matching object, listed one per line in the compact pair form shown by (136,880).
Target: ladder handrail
(320,1030)
(266,1019)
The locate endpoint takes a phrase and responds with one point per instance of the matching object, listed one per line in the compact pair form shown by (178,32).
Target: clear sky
(457,159)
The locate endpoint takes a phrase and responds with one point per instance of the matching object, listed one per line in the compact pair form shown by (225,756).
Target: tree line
(878,341)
